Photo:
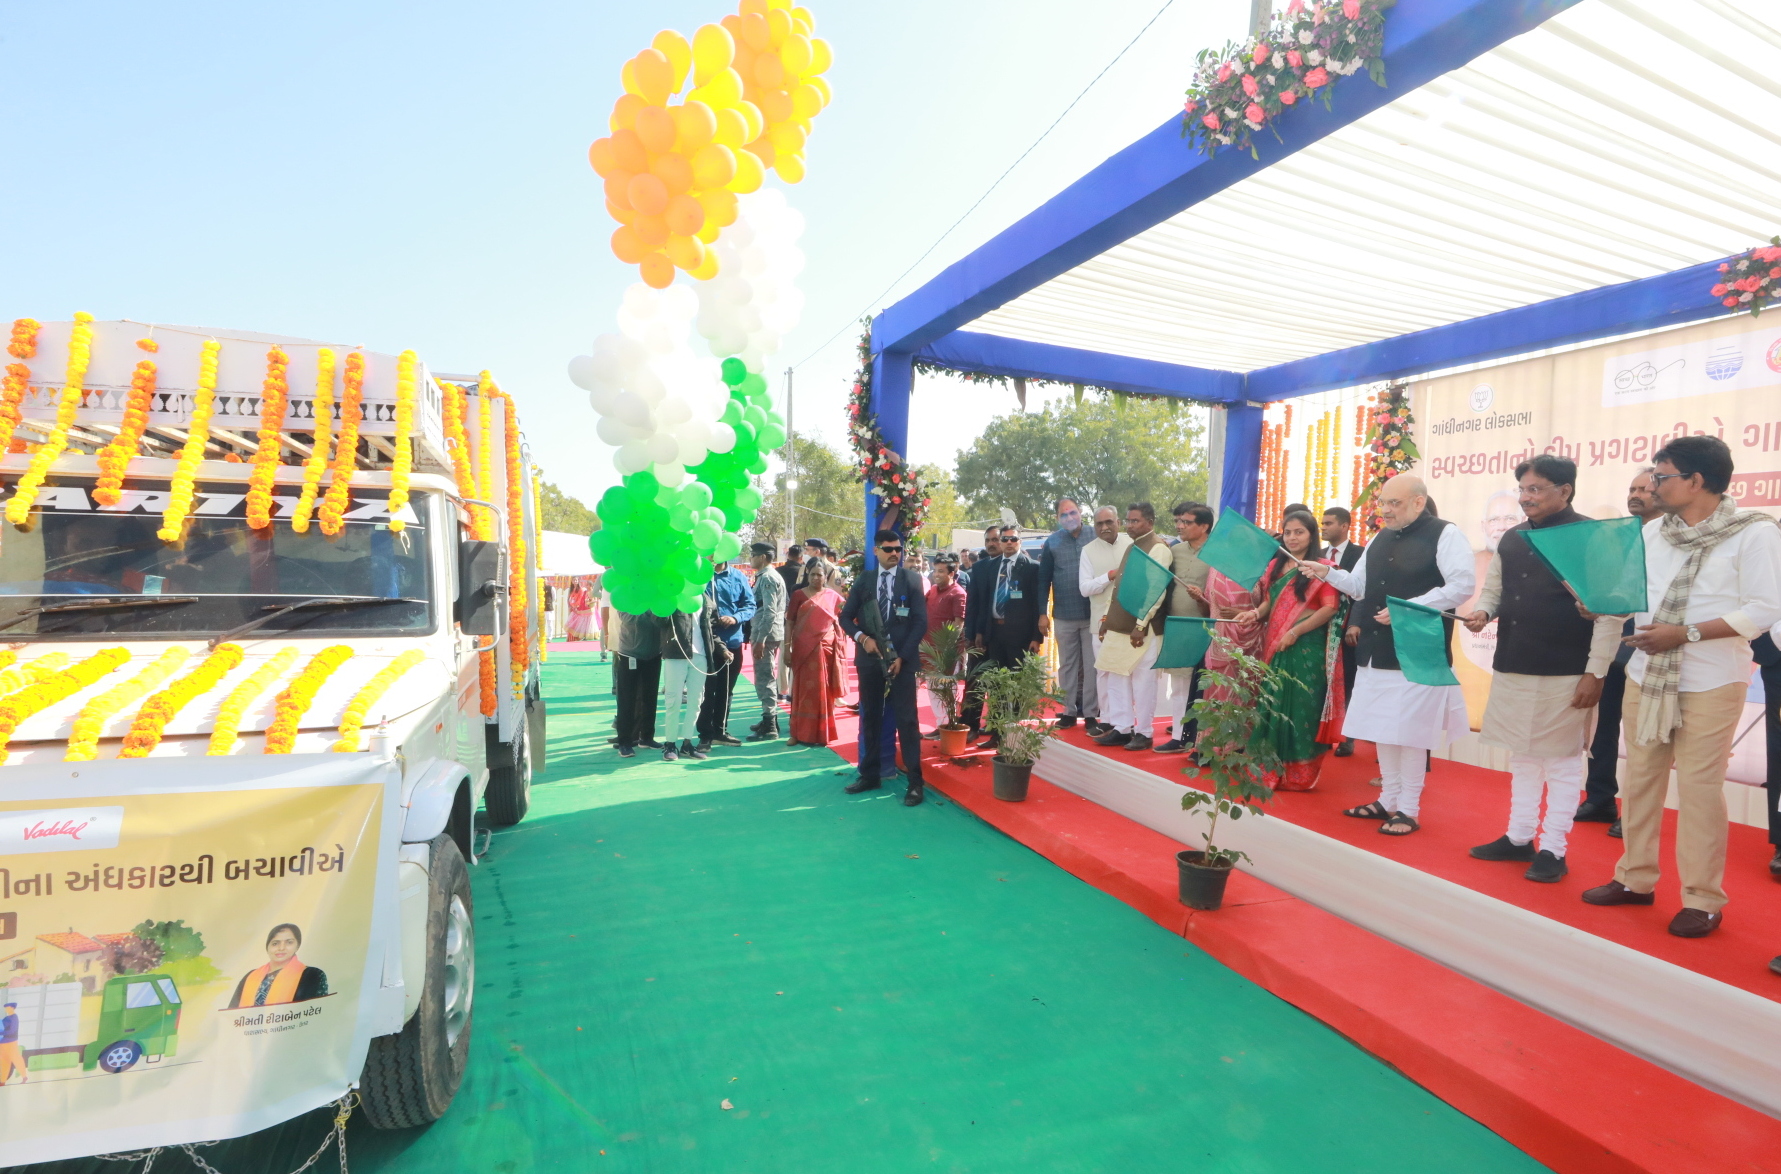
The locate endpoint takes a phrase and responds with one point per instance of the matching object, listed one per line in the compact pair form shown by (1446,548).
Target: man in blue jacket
(733,600)
(886,616)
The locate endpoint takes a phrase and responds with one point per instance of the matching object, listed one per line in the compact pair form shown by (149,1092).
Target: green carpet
(731,966)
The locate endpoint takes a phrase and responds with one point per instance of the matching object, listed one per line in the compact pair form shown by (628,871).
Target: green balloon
(759,466)
(748,498)
(680,517)
(696,496)
(728,547)
(752,385)
(754,417)
(732,414)
(734,371)
(705,536)
(771,436)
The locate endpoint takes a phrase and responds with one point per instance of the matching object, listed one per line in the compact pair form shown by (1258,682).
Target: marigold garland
(538,556)
(485,450)
(226,732)
(353,720)
(14,679)
(51,689)
(115,458)
(463,462)
(83,742)
(179,495)
(299,695)
(7,657)
(275,397)
(12,394)
(519,632)
(318,456)
(80,357)
(149,345)
(152,719)
(403,462)
(23,344)
(346,448)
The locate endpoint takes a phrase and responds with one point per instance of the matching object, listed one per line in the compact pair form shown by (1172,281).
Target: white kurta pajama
(1404,719)
(1098,561)
(1129,704)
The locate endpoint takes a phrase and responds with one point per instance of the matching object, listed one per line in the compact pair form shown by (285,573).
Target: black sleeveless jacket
(1539,632)
(1400,563)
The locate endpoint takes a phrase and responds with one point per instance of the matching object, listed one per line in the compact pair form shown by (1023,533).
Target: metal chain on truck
(342,1113)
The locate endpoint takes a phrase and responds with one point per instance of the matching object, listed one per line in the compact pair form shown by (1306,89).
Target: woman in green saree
(1305,716)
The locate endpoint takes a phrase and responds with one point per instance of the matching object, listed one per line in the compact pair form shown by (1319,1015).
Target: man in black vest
(1549,667)
(887,615)
(1426,560)
(1338,523)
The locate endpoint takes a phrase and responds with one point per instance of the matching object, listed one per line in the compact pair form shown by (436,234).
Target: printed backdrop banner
(187,948)
(1608,408)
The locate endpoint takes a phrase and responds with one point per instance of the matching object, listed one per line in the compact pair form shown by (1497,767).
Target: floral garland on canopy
(1752,279)
(881,468)
(1238,90)
(1390,450)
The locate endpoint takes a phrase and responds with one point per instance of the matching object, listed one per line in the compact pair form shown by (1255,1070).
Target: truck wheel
(411,1077)
(509,791)
(120,1056)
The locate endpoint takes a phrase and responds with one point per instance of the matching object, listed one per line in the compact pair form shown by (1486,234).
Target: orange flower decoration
(163,707)
(403,463)
(346,449)
(24,338)
(519,632)
(275,396)
(179,497)
(51,689)
(149,345)
(299,695)
(12,394)
(80,356)
(318,456)
(115,457)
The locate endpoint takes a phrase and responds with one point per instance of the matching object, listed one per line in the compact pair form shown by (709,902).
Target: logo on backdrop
(1482,397)
(1724,362)
(68,829)
(1774,355)
(1701,367)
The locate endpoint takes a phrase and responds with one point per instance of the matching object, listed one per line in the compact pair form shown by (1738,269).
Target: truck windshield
(74,550)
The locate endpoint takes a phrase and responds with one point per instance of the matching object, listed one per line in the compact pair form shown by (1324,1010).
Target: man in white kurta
(1097,573)
(1425,560)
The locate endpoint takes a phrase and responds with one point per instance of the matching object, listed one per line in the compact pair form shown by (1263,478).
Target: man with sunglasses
(1004,617)
(886,616)
(1060,560)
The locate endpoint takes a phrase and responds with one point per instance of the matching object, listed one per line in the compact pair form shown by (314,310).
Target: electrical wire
(1167,4)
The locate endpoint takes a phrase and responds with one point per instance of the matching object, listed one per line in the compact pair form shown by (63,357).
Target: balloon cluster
(654,566)
(756,301)
(673,171)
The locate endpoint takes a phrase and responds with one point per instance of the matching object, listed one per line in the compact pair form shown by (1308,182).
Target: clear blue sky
(414,174)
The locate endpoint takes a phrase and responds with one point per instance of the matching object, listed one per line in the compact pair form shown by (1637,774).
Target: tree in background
(828,502)
(564,514)
(182,951)
(1107,450)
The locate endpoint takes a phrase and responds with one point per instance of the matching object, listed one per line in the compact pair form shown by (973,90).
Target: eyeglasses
(1658,479)
(891,549)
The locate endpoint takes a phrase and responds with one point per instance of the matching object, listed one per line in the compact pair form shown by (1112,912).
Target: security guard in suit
(886,615)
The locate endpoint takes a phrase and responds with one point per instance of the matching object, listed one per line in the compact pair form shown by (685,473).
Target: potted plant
(1015,702)
(942,671)
(1235,764)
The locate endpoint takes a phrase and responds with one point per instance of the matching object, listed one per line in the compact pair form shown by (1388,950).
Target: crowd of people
(1565,683)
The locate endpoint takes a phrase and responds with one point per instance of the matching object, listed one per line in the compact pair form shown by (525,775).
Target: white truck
(91,568)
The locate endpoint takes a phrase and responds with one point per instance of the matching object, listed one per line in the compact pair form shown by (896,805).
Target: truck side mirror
(482,585)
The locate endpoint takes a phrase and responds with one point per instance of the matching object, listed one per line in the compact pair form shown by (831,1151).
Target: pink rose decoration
(1210,122)
(1317,77)
(1224,73)
(1261,53)
(1351,9)
(1718,291)
(1294,58)
(1725,268)
(1255,113)
(1191,106)
(1287,97)
(1296,7)
(1249,86)
(1730,301)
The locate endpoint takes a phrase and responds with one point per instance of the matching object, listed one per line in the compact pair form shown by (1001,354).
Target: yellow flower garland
(83,743)
(23,344)
(225,733)
(297,697)
(275,394)
(462,462)
(346,448)
(179,497)
(486,391)
(80,357)
(163,707)
(51,689)
(538,555)
(115,458)
(318,456)
(406,364)
(7,657)
(12,394)
(519,632)
(14,679)
(353,721)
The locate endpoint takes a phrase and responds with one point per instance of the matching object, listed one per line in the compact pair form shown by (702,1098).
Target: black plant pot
(1202,886)
(1010,781)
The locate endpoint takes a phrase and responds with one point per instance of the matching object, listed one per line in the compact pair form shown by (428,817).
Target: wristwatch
(1694,634)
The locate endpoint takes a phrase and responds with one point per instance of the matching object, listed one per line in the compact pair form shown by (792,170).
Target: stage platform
(1589,1037)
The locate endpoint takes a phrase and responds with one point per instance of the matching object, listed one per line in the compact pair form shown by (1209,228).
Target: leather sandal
(1399,825)
(1373,810)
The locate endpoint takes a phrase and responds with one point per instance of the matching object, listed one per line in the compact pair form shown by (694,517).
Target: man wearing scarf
(1130,706)
(1713,578)
(284,978)
(1548,671)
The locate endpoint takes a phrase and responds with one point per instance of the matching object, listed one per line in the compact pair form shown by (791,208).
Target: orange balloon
(707,269)
(779,26)
(674,172)
(775,105)
(762,148)
(795,54)
(648,194)
(733,23)
(787,138)
(790,166)
(622,215)
(806,100)
(655,127)
(750,8)
(821,56)
(599,156)
(651,230)
(720,207)
(713,166)
(618,189)
(624,112)
(757,123)
(709,233)
(755,32)
(732,129)
(695,123)
(655,76)
(685,216)
(627,246)
(628,152)
(821,86)
(686,251)
(674,47)
(743,61)
(657,271)
(769,71)
(749,174)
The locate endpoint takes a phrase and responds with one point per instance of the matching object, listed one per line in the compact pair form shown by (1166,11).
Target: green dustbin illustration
(139,1017)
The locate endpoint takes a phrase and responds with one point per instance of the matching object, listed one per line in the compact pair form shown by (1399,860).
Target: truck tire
(411,1077)
(120,1056)
(509,792)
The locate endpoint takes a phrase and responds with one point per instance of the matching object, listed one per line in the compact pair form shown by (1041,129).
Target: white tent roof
(1619,140)
(566,554)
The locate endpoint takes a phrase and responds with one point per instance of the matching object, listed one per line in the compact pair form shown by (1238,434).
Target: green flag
(1142,583)
(1420,638)
(1185,640)
(1238,549)
(1603,562)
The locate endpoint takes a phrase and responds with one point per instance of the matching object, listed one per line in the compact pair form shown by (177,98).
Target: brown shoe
(1695,923)
(1615,893)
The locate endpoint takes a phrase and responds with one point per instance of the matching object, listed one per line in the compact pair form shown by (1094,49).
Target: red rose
(1294,58)
(1261,53)
(1255,113)
(1210,122)
(1351,9)
(1718,291)
(1249,85)
(1191,106)
(1317,77)
(1288,98)
(1224,73)
(1731,301)
(1724,268)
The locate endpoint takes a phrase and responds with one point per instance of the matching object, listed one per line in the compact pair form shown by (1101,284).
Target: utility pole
(791,465)
(1261,12)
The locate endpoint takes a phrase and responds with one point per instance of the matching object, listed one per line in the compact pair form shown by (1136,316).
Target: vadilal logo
(1725,361)
(1482,397)
(1774,355)
(67,829)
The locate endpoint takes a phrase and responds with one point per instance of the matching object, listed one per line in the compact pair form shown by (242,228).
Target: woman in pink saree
(1225,598)
(813,631)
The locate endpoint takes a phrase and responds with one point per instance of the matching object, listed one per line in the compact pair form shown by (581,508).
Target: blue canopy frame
(1157,178)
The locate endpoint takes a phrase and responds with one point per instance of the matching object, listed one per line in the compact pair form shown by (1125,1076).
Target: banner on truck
(186,953)
(1608,408)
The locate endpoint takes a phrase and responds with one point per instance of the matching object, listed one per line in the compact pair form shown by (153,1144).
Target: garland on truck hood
(352,722)
(163,707)
(83,743)
(275,398)
(299,695)
(51,689)
(346,450)
(115,458)
(225,733)
(403,462)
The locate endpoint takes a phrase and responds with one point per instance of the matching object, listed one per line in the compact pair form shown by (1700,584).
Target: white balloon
(583,372)
(671,475)
(648,386)
(723,437)
(672,411)
(632,457)
(641,301)
(602,400)
(630,408)
(662,448)
(614,432)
